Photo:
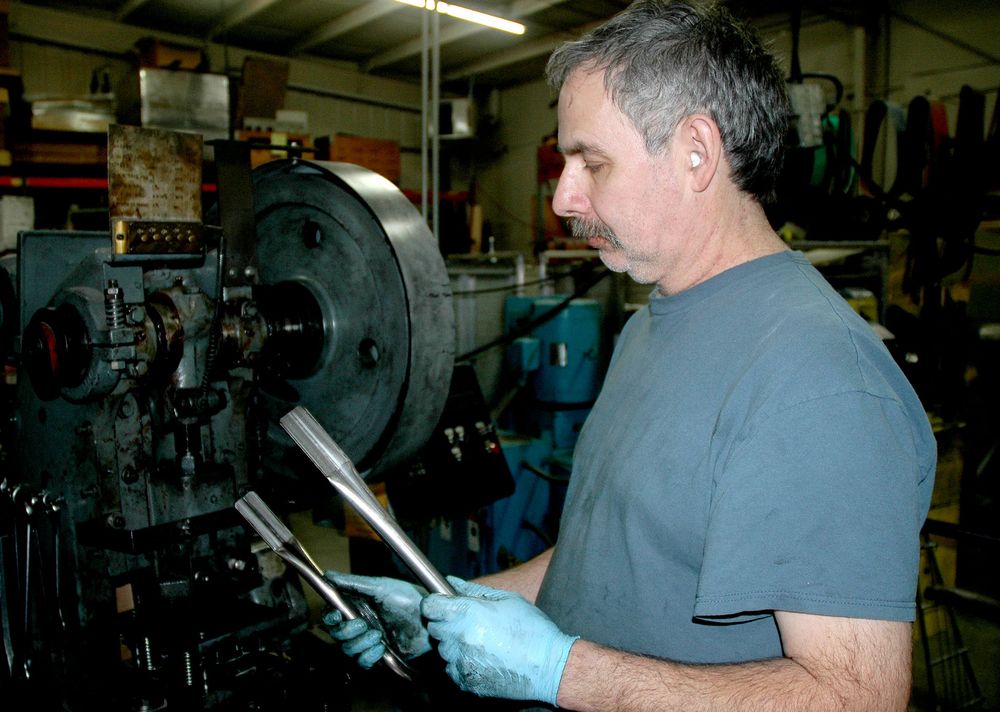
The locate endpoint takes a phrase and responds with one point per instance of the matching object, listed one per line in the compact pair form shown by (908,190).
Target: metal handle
(319,447)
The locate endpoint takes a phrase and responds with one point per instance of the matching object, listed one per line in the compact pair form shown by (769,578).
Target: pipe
(329,459)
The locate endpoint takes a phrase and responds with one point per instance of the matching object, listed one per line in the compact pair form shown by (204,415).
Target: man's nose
(569,200)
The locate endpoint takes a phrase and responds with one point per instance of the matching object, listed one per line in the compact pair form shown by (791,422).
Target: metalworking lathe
(154,361)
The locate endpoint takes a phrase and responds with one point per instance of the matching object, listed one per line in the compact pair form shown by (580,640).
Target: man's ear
(701,142)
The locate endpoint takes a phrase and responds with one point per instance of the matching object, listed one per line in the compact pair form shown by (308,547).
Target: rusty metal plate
(154,175)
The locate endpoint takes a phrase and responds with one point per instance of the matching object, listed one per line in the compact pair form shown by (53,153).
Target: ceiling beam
(361,15)
(128,8)
(519,53)
(239,12)
(452,33)
(951,39)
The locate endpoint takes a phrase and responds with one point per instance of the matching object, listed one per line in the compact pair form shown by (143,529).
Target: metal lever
(280,538)
(319,447)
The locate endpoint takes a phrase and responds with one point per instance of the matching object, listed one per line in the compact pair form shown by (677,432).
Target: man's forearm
(599,678)
(524,579)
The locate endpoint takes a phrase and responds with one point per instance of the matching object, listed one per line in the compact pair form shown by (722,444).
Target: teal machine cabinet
(558,363)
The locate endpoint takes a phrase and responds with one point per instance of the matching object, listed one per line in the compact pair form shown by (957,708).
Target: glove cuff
(559,654)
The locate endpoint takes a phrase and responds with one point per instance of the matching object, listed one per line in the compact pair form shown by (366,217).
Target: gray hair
(664,61)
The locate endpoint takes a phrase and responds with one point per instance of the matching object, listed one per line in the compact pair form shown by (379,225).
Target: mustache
(583,228)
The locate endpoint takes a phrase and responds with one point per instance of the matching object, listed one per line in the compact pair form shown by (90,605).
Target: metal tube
(332,595)
(276,535)
(319,447)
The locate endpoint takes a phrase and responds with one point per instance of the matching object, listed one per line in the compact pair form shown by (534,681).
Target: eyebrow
(581,147)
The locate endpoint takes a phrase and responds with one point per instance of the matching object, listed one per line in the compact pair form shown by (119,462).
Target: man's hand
(397,604)
(496,644)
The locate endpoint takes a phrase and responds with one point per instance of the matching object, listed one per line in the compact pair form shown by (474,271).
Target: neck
(737,232)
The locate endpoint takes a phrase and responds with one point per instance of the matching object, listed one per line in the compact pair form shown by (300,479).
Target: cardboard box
(263,84)
(273,139)
(379,155)
(157,53)
(65,154)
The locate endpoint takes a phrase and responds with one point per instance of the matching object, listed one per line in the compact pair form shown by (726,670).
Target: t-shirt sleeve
(818,510)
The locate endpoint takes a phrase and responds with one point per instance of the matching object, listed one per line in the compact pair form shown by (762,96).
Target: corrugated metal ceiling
(384,37)
(379,36)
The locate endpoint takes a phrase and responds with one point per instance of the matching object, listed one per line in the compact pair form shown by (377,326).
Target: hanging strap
(884,126)
(842,167)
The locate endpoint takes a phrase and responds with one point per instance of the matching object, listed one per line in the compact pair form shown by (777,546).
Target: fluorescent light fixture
(464,13)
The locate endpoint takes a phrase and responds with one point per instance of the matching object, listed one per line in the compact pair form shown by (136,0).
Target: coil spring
(188,669)
(147,654)
(114,305)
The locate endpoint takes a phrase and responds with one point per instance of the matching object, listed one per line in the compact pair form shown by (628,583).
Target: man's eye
(594,167)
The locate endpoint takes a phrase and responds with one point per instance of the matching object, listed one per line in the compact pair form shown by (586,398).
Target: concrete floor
(982,641)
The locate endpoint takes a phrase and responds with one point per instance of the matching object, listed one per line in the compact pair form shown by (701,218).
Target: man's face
(619,198)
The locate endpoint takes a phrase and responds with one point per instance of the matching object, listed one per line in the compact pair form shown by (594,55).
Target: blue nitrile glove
(497,644)
(397,604)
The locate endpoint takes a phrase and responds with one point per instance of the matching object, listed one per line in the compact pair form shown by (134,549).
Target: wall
(918,62)
(923,63)
(507,188)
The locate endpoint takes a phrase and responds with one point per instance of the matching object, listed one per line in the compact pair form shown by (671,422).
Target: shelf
(52,182)
(69,183)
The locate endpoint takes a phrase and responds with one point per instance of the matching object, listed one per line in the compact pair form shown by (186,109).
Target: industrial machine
(153,364)
(556,357)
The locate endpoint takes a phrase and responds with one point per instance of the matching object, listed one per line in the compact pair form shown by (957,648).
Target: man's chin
(608,258)
(620,265)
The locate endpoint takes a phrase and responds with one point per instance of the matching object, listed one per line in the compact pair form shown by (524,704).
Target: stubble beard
(615,255)
(587,229)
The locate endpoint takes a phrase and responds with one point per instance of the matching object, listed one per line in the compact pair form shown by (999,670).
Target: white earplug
(695,160)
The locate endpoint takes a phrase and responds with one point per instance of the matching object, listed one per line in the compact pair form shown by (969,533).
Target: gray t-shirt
(754,448)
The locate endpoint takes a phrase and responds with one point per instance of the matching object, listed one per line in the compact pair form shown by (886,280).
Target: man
(741,528)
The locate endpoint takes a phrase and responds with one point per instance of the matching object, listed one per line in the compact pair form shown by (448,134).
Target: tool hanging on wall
(818,169)
(808,101)
(932,187)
